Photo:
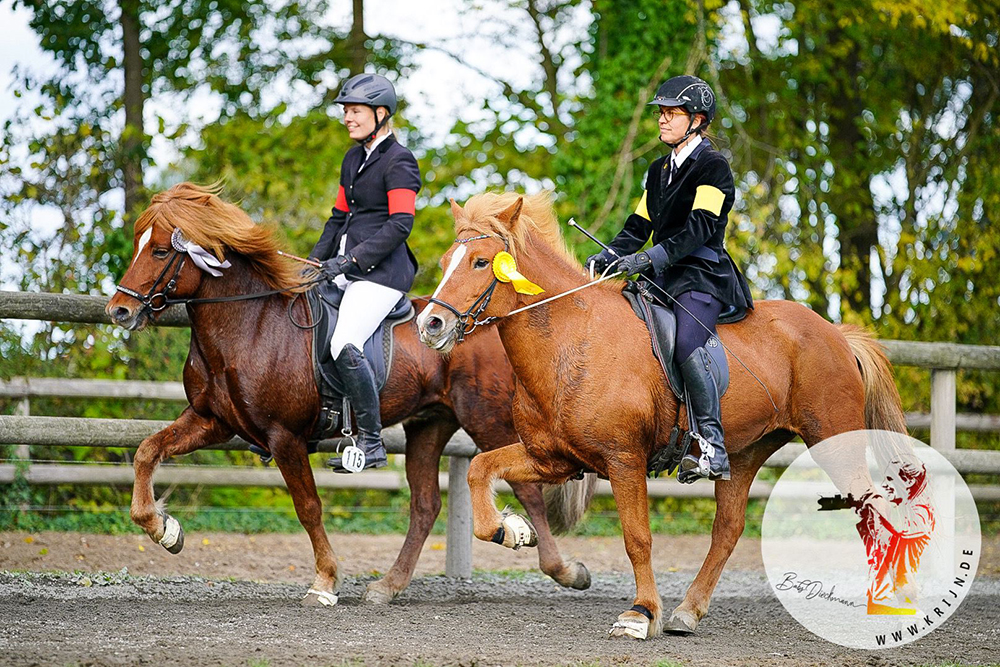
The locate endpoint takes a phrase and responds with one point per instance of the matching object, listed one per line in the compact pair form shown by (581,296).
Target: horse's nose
(434,325)
(121,314)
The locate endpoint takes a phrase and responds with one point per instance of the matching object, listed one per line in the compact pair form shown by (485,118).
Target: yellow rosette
(505,269)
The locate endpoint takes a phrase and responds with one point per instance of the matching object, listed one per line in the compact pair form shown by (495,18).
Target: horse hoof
(376,593)
(316,598)
(630,624)
(578,577)
(173,535)
(681,623)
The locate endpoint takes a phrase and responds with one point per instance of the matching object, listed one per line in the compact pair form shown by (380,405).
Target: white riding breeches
(364,306)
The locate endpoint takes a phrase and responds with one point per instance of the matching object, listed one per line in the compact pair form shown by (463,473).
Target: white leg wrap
(171,532)
(633,627)
(325,599)
(516,532)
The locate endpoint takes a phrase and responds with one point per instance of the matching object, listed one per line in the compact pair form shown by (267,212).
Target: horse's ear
(509,215)
(456,210)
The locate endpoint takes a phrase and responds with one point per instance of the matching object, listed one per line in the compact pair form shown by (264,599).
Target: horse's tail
(566,503)
(883,408)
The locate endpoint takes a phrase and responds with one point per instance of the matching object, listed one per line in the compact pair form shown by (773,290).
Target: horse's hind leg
(571,575)
(425,440)
(190,431)
(730,519)
(293,461)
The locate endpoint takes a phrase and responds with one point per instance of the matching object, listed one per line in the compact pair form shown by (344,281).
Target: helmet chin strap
(691,130)
(378,126)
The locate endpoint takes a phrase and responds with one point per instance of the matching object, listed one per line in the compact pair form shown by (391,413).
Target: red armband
(341,204)
(402,200)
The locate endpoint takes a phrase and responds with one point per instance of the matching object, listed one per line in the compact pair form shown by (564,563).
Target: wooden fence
(25,430)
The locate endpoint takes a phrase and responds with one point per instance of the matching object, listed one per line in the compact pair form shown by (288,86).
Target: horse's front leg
(644,619)
(513,464)
(290,454)
(187,433)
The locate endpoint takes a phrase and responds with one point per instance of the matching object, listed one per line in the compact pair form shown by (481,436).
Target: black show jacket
(375,210)
(687,220)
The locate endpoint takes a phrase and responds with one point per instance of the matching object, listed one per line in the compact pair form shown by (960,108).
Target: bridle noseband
(469,320)
(149,301)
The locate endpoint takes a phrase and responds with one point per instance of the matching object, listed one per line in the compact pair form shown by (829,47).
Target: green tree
(856,127)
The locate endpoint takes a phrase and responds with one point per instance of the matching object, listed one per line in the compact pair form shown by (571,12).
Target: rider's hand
(600,261)
(335,266)
(635,263)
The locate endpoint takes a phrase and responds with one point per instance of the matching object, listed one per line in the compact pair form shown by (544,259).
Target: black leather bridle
(469,320)
(149,301)
(151,304)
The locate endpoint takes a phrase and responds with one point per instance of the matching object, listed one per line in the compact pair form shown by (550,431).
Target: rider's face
(359,120)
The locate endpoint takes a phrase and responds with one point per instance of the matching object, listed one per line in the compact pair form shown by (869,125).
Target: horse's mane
(538,218)
(214,224)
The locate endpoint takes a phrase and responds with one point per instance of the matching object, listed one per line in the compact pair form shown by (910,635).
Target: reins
(480,304)
(149,300)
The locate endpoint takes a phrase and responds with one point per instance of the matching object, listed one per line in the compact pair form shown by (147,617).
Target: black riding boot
(703,393)
(360,384)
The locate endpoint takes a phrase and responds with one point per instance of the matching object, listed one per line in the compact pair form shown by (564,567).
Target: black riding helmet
(373,91)
(690,93)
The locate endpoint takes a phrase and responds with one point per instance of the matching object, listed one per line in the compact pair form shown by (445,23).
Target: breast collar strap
(469,320)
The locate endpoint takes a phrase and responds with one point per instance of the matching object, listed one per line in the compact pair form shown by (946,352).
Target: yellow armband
(641,210)
(708,198)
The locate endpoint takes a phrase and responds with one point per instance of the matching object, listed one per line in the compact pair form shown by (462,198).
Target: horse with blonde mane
(249,372)
(591,396)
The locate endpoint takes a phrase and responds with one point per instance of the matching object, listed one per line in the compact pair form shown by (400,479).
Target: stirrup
(692,469)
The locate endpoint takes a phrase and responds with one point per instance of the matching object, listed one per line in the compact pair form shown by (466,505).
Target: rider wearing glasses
(363,245)
(685,208)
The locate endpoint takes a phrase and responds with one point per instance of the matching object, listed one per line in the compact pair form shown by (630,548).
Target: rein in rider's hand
(335,266)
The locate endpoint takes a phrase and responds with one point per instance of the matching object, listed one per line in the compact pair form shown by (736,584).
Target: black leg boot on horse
(704,403)
(360,384)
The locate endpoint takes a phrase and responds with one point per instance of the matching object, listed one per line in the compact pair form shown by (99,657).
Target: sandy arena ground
(233,600)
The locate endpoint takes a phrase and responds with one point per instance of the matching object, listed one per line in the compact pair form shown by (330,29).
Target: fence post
(943,408)
(23,409)
(458,557)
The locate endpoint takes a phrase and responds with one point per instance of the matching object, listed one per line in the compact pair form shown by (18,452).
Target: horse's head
(161,267)
(180,243)
(481,279)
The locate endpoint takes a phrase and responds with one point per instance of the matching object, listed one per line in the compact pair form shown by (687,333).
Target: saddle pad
(662,325)
(324,304)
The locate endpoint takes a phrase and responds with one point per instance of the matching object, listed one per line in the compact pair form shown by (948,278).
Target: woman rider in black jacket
(685,207)
(363,246)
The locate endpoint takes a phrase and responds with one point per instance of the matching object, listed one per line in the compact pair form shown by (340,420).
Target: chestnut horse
(249,372)
(591,396)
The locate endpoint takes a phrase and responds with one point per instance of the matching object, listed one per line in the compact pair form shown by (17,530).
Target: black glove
(635,263)
(601,261)
(335,266)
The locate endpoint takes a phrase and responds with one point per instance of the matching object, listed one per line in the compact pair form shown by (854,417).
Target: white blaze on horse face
(143,240)
(452,265)
(455,259)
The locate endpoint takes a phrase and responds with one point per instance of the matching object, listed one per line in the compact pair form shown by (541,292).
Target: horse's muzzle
(133,319)
(436,332)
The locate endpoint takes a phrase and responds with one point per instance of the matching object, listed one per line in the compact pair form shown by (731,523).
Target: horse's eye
(481,263)
(160,253)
